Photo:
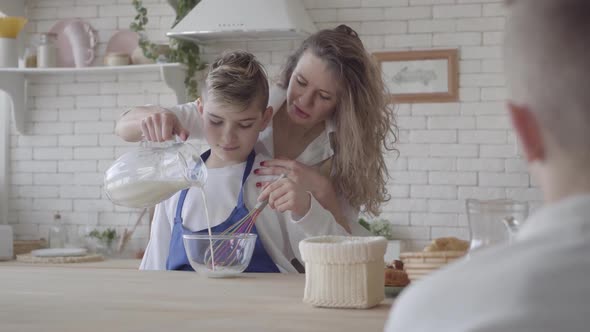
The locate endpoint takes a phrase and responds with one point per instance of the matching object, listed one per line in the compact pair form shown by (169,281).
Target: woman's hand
(309,179)
(286,195)
(162,126)
(304,179)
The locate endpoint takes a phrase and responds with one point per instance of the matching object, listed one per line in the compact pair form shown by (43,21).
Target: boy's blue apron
(177,259)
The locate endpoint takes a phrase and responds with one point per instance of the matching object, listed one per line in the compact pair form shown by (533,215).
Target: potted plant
(382,227)
(182,51)
(102,242)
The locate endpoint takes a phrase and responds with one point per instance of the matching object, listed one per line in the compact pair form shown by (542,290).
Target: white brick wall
(449,152)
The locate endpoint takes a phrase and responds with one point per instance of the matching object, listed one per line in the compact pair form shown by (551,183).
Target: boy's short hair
(236,78)
(547,62)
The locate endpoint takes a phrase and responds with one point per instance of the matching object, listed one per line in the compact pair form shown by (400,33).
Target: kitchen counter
(42,298)
(132,264)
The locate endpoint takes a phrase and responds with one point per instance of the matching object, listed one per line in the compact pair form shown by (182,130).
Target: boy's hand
(162,126)
(285,195)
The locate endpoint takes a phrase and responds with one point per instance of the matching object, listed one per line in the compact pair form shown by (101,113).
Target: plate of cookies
(396,279)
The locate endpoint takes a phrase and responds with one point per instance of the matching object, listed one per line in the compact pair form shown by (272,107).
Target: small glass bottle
(57,233)
(30,57)
(47,51)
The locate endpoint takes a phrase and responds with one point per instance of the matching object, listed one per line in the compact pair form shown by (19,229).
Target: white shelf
(14,82)
(91,70)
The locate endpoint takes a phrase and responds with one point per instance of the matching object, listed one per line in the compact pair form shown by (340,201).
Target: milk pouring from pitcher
(149,175)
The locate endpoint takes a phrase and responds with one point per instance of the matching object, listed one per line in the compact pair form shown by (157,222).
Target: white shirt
(280,233)
(314,154)
(541,282)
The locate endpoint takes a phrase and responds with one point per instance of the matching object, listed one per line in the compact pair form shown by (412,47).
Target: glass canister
(57,233)
(146,176)
(494,221)
(47,51)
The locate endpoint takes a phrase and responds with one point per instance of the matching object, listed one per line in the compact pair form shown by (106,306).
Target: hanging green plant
(182,51)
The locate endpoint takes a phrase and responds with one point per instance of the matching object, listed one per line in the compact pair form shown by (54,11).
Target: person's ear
(529,132)
(199,103)
(266,117)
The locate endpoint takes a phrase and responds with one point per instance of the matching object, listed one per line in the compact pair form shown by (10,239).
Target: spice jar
(117,59)
(47,51)
(30,57)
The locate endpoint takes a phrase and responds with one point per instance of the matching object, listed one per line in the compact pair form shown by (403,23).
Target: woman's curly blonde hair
(362,117)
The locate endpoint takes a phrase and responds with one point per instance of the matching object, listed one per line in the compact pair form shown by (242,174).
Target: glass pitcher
(494,221)
(146,176)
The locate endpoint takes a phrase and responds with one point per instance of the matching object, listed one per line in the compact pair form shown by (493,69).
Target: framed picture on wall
(430,76)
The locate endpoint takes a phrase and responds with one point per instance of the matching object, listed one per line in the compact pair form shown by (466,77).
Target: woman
(329,125)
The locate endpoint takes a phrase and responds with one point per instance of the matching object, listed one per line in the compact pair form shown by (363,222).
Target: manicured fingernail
(262,163)
(256,171)
(258,184)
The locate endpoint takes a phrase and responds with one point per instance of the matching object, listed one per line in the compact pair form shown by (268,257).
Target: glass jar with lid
(47,51)
(57,233)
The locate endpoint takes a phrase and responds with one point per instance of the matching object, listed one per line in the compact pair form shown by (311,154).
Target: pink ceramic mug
(83,40)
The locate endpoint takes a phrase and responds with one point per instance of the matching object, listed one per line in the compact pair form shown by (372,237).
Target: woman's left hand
(285,195)
(305,178)
(308,178)
(302,179)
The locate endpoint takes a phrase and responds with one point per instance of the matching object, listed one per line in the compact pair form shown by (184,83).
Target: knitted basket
(343,271)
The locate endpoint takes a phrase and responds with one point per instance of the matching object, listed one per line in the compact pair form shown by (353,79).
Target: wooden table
(132,264)
(42,298)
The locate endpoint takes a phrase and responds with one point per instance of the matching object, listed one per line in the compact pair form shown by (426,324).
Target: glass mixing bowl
(231,253)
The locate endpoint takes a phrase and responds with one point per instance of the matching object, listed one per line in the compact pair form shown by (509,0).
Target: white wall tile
(494,9)
(483,136)
(384,3)
(421,26)
(452,178)
(434,191)
(481,24)
(477,164)
(433,136)
(431,219)
(416,40)
(446,206)
(453,150)
(451,122)
(408,13)
(75,166)
(361,14)
(447,11)
(503,179)
(383,27)
(457,39)
(447,151)
(432,164)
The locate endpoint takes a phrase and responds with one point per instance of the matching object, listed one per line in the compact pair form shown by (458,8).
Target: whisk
(228,251)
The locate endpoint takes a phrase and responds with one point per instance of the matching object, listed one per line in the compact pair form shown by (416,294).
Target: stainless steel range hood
(238,20)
